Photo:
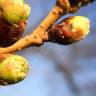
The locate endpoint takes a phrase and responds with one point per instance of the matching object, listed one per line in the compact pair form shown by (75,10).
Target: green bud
(14,10)
(13,69)
(13,13)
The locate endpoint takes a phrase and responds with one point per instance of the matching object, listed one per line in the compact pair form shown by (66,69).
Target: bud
(13,13)
(14,10)
(13,69)
(13,20)
(70,30)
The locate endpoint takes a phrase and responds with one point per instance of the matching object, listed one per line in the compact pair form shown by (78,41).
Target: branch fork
(40,34)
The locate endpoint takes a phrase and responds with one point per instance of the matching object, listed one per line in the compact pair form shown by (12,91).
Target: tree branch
(39,35)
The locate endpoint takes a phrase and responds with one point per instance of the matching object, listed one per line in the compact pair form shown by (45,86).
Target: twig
(38,35)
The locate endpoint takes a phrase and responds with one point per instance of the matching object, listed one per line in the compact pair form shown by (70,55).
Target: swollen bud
(13,20)
(13,13)
(70,30)
(14,10)
(13,69)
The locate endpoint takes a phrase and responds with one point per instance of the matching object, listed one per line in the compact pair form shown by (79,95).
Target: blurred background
(57,70)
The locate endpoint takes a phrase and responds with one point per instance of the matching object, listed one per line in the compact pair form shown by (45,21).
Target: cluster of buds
(13,20)
(13,17)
